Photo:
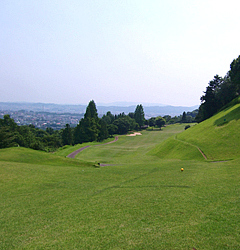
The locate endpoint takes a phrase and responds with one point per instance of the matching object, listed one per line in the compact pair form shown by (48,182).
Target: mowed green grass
(139,202)
(129,149)
(218,138)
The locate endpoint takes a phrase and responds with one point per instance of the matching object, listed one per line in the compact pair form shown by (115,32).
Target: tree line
(220,91)
(90,128)
(12,135)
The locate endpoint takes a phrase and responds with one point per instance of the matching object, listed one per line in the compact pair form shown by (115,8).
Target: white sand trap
(134,134)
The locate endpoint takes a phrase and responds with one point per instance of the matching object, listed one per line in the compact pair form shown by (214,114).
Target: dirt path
(73,154)
(204,156)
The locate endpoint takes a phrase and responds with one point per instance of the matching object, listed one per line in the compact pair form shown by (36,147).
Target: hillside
(135,201)
(218,138)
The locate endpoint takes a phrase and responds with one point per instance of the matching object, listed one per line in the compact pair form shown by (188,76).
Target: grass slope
(26,155)
(218,138)
(143,203)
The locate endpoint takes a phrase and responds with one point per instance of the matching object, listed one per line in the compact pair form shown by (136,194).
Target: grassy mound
(26,155)
(176,149)
(218,138)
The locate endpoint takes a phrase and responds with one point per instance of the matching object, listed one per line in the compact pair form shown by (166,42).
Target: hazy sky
(73,51)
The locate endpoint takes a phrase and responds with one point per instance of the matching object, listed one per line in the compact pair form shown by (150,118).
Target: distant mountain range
(128,104)
(150,110)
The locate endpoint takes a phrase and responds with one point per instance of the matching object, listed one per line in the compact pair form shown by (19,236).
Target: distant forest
(219,92)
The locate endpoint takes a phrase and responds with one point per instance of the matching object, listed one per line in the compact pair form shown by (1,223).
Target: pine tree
(139,115)
(67,138)
(88,128)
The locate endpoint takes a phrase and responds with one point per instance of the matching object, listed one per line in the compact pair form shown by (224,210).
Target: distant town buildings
(43,120)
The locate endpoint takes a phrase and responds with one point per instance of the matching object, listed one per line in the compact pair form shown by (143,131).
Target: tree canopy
(160,121)
(220,91)
(12,135)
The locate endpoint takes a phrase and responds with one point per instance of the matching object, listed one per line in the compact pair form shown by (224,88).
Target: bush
(149,128)
(186,127)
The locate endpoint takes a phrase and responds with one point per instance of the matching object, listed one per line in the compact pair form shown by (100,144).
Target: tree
(91,111)
(220,91)
(50,131)
(152,122)
(12,135)
(184,117)
(160,121)
(108,118)
(139,115)
(9,134)
(122,124)
(7,121)
(167,118)
(131,114)
(103,130)
(112,129)
(234,74)
(88,128)
(79,133)
(227,91)
(210,101)
(67,137)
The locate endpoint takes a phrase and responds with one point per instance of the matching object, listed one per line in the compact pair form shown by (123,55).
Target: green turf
(218,138)
(66,150)
(26,155)
(128,149)
(142,201)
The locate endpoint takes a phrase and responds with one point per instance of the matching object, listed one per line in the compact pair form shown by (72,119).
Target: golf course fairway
(139,199)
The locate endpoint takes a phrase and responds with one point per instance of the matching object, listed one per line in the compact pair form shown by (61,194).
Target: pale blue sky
(141,51)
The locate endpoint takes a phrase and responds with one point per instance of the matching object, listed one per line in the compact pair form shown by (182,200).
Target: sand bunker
(134,134)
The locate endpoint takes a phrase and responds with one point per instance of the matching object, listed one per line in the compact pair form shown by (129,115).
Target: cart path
(204,156)
(73,154)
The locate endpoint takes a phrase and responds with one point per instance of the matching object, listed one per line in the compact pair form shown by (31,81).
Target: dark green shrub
(187,126)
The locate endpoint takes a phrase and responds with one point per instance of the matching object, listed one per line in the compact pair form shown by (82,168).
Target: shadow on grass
(233,115)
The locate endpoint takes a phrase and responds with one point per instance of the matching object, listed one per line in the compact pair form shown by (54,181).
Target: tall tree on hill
(184,117)
(103,134)
(234,74)
(79,133)
(67,137)
(227,91)
(91,111)
(211,100)
(220,91)
(9,135)
(139,115)
(88,128)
